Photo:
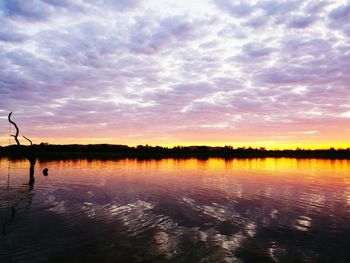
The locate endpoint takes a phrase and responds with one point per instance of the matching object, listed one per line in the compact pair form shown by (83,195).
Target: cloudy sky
(270,73)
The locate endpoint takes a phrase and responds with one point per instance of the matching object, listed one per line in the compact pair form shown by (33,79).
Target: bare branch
(31,143)
(26,155)
(17,130)
(30,156)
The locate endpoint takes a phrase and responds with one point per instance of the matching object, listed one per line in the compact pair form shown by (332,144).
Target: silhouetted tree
(29,155)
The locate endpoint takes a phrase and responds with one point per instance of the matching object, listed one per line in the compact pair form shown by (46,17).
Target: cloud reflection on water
(181,210)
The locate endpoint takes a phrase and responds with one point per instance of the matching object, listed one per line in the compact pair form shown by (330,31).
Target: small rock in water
(46,171)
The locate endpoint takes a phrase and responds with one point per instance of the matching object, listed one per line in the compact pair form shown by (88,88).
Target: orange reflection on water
(309,180)
(304,169)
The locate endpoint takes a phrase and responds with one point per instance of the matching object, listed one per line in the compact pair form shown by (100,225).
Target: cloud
(340,13)
(149,36)
(132,70)
(339,19)
(7,34)
(316,7)
(59,3)
(240,9)
(301,21)
(34,10)
(122,5)
(256,50)
(280,8)
(269,8)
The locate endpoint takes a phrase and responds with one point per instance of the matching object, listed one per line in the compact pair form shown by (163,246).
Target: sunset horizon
(235,145)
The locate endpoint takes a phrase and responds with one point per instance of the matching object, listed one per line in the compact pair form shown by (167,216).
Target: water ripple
(168,211)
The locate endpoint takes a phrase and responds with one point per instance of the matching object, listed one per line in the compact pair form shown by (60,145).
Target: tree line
(45,150)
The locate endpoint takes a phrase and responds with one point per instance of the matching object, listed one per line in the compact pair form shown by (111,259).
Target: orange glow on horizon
(270,145)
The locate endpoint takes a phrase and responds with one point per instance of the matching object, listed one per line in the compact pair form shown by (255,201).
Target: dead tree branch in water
(31,143)
(30,156)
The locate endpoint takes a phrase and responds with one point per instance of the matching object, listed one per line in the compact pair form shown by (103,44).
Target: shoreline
(106,151)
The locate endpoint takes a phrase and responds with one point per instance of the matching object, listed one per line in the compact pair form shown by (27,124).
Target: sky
(269,73)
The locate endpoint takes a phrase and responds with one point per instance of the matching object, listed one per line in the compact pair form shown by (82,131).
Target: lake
(176,210)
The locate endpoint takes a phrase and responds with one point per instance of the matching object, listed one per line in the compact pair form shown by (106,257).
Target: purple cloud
(240,9)
(34,10)
(138,72)
(340,13)
(7,34)
(301,21)
(256,50)
(274,8)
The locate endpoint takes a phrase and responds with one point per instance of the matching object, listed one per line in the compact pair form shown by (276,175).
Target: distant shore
(108,151)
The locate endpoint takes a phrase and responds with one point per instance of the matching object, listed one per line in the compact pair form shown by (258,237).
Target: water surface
(248,210)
